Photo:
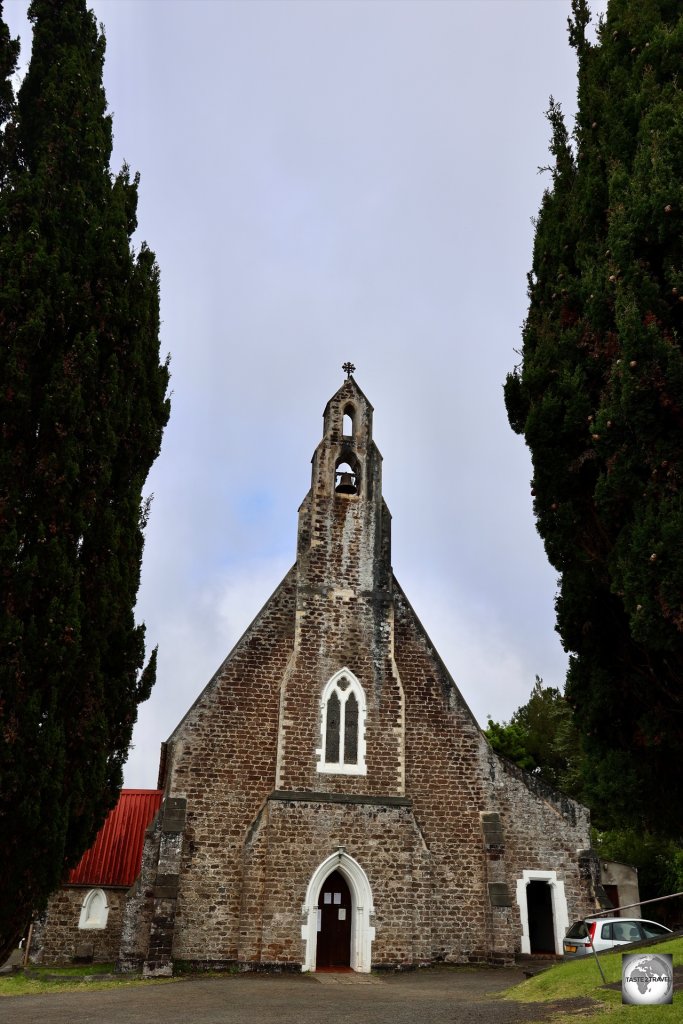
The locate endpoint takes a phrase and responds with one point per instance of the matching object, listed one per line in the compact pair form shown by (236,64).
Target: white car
(601,933)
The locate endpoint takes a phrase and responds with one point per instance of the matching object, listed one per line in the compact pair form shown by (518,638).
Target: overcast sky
(321,182)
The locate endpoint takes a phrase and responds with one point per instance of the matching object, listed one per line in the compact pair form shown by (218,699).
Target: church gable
(239,707)
(331,780)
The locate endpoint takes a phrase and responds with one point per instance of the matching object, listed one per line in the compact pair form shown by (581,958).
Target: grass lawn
(575,978)
(39,980)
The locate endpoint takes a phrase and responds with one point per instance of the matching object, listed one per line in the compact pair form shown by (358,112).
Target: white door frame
(559,905)
(362,933)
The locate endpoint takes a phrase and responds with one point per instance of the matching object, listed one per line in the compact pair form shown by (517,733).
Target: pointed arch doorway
(357,944)
(333,947)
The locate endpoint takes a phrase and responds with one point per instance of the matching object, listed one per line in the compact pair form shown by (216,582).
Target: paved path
(426,997)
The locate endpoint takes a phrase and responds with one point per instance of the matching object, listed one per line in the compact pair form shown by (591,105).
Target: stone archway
(362,932)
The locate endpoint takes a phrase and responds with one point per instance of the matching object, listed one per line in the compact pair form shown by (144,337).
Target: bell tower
(344,524)
(343,638)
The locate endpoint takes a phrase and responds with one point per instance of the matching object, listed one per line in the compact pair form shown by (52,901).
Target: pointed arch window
(342,717)
(94,910)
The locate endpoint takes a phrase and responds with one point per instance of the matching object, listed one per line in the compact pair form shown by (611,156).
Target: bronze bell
(346,484)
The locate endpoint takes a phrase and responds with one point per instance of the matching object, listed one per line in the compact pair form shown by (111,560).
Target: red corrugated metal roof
(116,855)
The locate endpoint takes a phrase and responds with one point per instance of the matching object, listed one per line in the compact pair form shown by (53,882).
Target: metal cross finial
(348,369)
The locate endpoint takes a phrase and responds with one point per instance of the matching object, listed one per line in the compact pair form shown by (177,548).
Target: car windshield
(578,930)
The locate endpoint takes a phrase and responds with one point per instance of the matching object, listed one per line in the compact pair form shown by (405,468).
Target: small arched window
(94,910)
(342,715)
(348,422)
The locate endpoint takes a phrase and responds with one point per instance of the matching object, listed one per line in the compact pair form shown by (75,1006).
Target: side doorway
(543,911)
(333,947)
(540,910)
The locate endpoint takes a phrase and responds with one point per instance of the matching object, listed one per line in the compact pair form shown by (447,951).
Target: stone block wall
(343,620)
(448,792)
(57,939)
(249,848)
(543,831)
(139,905)
(295,834)
(221,760)
(455,779)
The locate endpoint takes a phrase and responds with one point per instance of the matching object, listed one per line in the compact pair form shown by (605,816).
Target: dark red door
(334,919)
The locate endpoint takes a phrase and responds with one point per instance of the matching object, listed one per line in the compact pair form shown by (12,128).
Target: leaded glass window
(332,730)
(351,730)
(343,726)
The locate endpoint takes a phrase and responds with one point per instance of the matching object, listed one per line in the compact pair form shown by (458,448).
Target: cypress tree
(82,409)
(599,399)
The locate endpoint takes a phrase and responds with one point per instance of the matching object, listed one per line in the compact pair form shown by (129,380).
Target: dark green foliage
(82,409)
(660,868)
(511,740)
(541,738)
(9,53)
(599,400)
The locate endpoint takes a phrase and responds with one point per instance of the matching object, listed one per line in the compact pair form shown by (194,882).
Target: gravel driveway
(426,997)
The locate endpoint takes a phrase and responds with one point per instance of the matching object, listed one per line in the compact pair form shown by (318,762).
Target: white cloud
(323,182)
(493,669)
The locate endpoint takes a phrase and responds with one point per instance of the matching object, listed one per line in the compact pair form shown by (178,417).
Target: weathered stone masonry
(57,937)
(333,738)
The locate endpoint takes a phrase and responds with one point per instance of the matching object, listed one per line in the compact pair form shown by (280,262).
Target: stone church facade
(329,799)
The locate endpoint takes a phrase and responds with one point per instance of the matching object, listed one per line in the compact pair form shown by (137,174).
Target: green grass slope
(574,979)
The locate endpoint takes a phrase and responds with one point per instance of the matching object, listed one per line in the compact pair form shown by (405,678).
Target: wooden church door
(334,923)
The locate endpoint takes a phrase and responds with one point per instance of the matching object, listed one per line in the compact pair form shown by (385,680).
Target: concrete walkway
(439,996)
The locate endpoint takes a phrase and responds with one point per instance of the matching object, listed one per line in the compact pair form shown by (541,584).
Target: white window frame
(94,916)
(355,688)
